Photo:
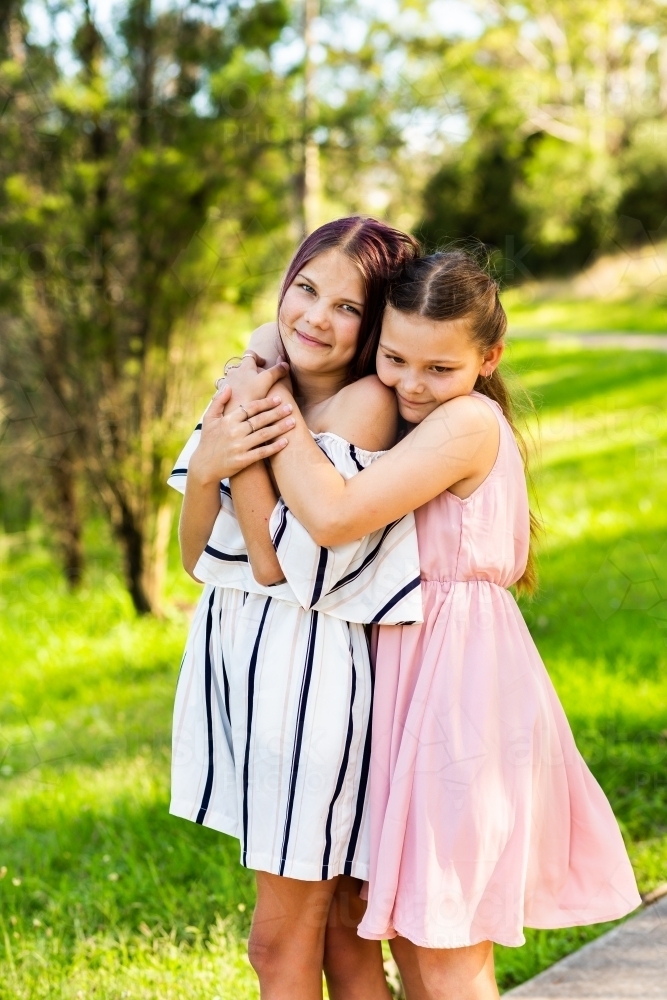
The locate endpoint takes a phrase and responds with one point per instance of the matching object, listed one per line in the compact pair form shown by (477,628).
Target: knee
(461,974)
(265,954)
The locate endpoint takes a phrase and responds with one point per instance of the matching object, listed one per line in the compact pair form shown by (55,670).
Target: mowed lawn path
(103,895)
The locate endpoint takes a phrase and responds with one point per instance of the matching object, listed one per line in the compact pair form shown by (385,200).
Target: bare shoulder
(364,413)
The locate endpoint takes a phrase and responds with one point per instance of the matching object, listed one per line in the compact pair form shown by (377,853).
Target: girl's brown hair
(449,285)
(379,251)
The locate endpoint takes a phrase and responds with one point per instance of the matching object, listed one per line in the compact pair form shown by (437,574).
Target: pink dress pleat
(484,817)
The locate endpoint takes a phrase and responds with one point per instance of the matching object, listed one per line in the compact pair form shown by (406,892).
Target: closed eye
(394,359)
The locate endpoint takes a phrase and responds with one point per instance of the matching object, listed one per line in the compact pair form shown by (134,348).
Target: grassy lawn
(569,315)
(103,895)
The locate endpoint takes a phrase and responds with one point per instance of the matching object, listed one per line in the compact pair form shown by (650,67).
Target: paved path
(626,341)
(627,963)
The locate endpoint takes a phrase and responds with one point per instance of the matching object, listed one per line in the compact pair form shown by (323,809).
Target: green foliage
(115,897)
(140,210)
(565,134)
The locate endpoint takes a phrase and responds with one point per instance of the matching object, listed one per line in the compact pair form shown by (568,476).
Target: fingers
(274,374)
(266,450)
(257,358)
(217,404)
(263,434)
(249,361)
(270,418)
(262,405)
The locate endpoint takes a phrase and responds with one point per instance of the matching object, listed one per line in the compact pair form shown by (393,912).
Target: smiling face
(427,362)
(321,314)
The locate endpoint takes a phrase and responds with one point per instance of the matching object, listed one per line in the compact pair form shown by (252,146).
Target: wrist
(203,478)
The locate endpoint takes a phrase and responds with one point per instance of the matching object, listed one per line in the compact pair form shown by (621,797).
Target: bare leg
(352,965)
(405,956)
(446,973)
(286,945)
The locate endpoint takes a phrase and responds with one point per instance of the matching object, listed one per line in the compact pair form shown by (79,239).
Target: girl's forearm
(201,506)
(442,450)
(310,485)
(254,500)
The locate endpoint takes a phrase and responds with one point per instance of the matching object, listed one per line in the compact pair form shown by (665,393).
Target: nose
(411,383)
(318,314)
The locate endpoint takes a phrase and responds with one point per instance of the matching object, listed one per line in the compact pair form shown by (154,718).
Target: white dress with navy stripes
(271,740)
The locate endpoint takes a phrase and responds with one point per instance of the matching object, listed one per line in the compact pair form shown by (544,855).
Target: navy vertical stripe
(225,679)
(319,579)
(363,785)
(343,767)
(251,698)
(301,719)
(208,787)
(353,456)
(280,530)
(225,682)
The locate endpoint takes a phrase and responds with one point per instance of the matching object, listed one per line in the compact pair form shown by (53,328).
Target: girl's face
(321,314)
(427,361)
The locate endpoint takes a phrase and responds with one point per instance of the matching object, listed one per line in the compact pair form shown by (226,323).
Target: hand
(247,382)
(233,437)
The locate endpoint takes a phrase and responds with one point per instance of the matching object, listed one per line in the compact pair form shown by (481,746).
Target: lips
(410,402)
(306,338)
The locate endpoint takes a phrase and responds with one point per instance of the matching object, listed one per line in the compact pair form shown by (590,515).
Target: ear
(491,359)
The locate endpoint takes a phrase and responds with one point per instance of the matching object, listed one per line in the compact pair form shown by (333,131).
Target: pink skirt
(484,817)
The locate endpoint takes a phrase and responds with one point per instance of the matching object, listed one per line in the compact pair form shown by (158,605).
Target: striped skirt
(271,736)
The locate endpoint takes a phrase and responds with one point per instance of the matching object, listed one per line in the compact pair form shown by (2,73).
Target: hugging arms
(453,447)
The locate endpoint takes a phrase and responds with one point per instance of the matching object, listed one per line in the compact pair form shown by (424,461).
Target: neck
(316,387)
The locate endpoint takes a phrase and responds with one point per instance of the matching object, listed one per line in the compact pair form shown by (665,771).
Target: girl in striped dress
(271,738)
(484,816)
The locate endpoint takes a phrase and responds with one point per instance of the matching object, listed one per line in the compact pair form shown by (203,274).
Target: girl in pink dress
(484,816)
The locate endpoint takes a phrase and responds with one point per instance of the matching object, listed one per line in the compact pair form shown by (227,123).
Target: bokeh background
(159,161)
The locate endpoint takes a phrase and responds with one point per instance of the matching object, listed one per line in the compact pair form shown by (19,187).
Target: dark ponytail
(451,285)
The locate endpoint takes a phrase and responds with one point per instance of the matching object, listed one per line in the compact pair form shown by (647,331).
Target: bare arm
(254,500)
(455,443)
(265,344)
(364,413)
(225,449)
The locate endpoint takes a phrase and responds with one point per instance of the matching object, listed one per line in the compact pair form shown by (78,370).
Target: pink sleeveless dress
(484,817)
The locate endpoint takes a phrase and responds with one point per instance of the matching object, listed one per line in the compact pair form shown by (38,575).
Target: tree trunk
(68,519)
(131,536)
(145,550)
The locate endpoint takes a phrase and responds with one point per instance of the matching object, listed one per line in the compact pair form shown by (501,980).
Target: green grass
(107,896)
(646,314)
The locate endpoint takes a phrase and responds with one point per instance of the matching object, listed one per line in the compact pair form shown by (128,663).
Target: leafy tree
(123,208)
(563,104)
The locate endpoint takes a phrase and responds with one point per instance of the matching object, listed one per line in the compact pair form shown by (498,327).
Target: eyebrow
(302,274)
(432,361)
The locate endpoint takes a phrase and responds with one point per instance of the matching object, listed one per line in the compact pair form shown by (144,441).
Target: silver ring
(252,429)
(242,407)
(217,382)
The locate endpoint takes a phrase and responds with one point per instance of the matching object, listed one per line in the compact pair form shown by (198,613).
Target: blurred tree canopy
(565,107)
(168,157)
(118,202)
